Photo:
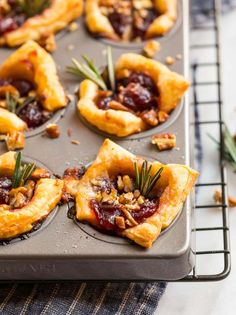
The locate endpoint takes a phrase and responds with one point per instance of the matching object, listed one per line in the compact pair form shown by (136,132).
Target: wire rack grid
(202,25)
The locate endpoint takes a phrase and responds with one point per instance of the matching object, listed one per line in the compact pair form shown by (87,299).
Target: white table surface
(215,298)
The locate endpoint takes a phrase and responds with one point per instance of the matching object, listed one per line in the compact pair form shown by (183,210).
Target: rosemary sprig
(33,7)
(22,172)
(11,102)
(88,70)
(229,147)
(144,181)
(110,68)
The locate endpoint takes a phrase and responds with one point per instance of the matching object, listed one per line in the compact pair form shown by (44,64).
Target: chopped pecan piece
(165,141)
(218,199)
(73,26)
(15,140)
(53,131)
(170,60)
(162,116)
(40,173)
(118,106)
(18,197)
(151,48)
(120,222)
(150,117)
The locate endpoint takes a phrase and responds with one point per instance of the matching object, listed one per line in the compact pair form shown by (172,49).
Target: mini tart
(47,194)
(50,21)
(170,85)
(34,64)
(99,24)
(175,183)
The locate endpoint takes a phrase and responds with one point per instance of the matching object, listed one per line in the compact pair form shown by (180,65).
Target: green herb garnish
(229,147)
(110,69)
(22,172)
(14,103)
(33,7)
(11,102)
(88,70)
(144,181)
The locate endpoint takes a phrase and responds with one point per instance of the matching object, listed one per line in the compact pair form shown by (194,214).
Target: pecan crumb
(218,199)
(76,142)
(162,116)
(73,26)
(179,57)
(15,140)
(70,47)
(150,117)
(53,131)
(151,48)
(40,173)
(170,60)
(120,222)
(69,132)
(165,141)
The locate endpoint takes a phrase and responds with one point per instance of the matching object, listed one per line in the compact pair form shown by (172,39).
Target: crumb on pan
(151,48)
(179,57)
(69,132)
(71,47)
(75,142)
(218,199)
(164,141)
(52,131)
(170,60)
(73,26)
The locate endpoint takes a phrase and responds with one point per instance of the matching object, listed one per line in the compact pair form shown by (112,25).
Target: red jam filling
(126,20)
(138,92)
(106,214)
(5,187)
(31,112)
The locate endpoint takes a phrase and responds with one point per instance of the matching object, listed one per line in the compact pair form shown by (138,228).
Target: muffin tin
(64,250)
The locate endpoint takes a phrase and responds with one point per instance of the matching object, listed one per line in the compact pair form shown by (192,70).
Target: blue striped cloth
(84,298)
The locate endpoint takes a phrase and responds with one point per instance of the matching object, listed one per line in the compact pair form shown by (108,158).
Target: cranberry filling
(146,210)
(138,92)
(106,215)
(136,21)
(119,22)
(34,115)
(5,187)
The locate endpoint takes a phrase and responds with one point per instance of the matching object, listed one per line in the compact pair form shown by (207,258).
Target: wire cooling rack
(208,116)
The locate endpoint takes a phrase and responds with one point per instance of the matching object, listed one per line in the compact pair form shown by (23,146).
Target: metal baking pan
(61,249)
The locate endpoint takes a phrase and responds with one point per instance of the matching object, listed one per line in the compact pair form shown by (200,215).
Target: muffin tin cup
(68,251)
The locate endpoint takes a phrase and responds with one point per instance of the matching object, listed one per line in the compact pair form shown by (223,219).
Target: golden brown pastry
(28,203)
(30,24)
(146,92)
(113,198)
(130,20)
(29,82)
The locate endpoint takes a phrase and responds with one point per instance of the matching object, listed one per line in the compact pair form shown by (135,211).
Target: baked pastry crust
(176,183)
(99,24)
(171,87)
(32,63)
(50,21)
(10,122)
(47,194)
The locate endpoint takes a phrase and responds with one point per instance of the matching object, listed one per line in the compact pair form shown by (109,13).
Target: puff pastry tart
(30,91)
(24,200)
(145,93)
(124,195)
(128,20)
(23,20)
